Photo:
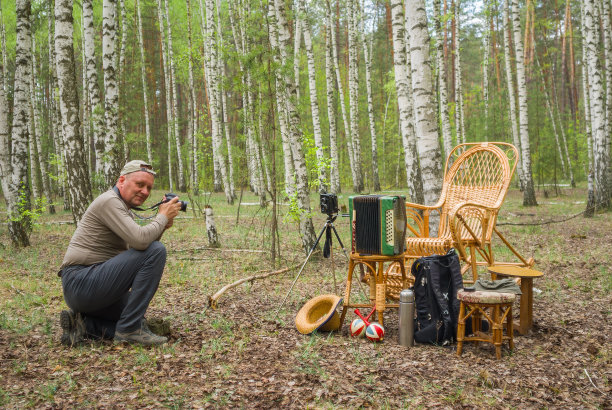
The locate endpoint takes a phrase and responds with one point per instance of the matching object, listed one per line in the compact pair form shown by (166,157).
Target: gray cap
(135,166)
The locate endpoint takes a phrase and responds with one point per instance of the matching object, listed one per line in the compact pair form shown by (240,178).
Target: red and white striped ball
(358,328)
(375,332)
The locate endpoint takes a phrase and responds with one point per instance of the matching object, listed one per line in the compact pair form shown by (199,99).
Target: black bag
(437,279)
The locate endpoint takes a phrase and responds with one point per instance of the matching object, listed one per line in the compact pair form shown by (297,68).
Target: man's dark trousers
(114,295)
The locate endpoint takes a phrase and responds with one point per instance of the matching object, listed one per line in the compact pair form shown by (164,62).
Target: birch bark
(5,145)
(529,198)
(215,103)
(447,137)
(97,107)
(331,111)
(143,80)
(294,134)
(511,92)
(193,112)
(76,165)
(596,98)
(19,222)
(459,114)
(174,90)
(485,68)
(122,84)
(403,88)
(426,126)
(367,54)
(3,45)
(314,102)
(111,96)
(353,79)
(345,119)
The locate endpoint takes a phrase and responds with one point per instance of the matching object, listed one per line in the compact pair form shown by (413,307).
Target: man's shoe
(73,328)
(142,336)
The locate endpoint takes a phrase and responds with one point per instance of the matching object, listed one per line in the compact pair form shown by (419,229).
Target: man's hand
(171,210)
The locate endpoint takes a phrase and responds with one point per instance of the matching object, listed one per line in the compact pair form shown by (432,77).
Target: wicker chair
(476,180)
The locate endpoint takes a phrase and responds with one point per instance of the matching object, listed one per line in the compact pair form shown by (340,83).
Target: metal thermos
(406,318)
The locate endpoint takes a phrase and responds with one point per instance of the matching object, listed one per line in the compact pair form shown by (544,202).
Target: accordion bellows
(378,224)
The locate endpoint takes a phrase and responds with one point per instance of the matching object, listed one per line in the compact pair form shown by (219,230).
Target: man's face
(135,187)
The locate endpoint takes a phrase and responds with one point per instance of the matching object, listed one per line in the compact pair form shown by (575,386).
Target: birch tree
(511,92)
(353,84)
(288,95)
(97,107)
(426,126)
(76,165)
(193,111)
(447,137)
(168,90)
(3,46)
(5,146)
(345,119)
(459,114)
(403,89)
(367,54)
(20,223)
(215,104)
(601,159)
(143,80)
(314,101)
(112,165)
(330,87)
(174,91)
(529,198)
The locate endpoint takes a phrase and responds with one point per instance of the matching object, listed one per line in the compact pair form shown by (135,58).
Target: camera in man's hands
(329,203)
(168,197)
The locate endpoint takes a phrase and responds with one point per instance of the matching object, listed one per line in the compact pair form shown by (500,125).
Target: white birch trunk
(122,83)
(511,93)
(590,205)
(459,115)
(97,107)
(403,88)
(143,80)
(181,173)
(76,166)
(193,112)
(314,102)
(331,104)
(485,68)
(529,198)
(367,54)
(601,160)
(297,41)
(426,126)
(345,119)
(606,24)
(168,89)
(295,138)
(111,91)
(20,224)
(447,136)
(5,146)
(353,83)
(3,45)
(215,103)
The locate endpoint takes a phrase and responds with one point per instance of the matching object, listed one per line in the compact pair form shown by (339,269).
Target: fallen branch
(212,300)
(594,385)
(206,248)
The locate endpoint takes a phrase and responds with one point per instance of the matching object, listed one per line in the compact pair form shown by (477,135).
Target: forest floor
(239,355)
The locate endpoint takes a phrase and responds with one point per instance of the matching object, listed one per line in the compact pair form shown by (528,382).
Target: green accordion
(378,224)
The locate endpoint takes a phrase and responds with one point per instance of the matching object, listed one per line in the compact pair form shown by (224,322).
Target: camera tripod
(328,227)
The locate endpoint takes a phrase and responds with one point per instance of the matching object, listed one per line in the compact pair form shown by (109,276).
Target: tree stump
(211,229)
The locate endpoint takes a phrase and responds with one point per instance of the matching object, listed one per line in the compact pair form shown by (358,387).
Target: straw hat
(319,313)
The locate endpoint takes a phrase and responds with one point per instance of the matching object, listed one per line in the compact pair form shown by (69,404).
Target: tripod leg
(301,269)
(339,240)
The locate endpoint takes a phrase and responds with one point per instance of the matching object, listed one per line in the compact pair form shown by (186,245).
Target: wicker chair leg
(460,329)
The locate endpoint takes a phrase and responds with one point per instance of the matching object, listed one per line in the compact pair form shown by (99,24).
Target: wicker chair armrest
(478,214)
(419,214)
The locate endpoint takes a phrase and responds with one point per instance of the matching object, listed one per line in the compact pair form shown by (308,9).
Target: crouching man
(113,265)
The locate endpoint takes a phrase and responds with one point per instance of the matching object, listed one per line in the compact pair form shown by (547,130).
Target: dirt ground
(240,356)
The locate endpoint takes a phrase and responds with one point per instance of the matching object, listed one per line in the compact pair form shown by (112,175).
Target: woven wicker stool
(378,281)
(495,308)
